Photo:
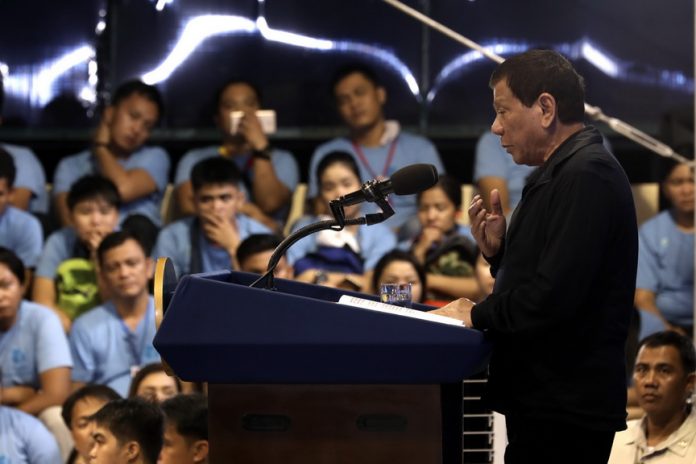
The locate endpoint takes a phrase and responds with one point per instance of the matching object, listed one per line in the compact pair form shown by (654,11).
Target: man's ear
(132,451)
(381,95)
(549,110)
(150,267)
(200,451)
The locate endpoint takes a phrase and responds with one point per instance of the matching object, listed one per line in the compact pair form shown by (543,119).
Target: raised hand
(488,227)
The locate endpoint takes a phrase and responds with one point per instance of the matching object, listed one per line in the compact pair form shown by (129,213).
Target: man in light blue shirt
(112,341)
(270,174)
(140,173)
(25,440)
(209,241)
(379,147)
(19,231)
(30,183)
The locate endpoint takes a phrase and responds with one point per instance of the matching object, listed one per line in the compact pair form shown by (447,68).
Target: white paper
(398,310)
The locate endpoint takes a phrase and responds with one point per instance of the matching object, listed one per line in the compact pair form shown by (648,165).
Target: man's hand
(458,309)
(487,227)
(102,136)
(427,237)
(250,128)
(221,231)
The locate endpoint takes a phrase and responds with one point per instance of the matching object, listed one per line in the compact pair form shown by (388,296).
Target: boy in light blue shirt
(112,341)
(19,231)
(209,241)
(118,153)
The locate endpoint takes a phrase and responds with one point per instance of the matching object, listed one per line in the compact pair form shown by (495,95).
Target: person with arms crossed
(565,271)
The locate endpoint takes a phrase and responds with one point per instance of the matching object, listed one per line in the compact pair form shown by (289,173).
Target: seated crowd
(80,380)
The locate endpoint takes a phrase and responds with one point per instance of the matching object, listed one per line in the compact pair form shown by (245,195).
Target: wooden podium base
(325,424)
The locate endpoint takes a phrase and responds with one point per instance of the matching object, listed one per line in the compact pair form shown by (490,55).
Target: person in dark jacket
(565,271)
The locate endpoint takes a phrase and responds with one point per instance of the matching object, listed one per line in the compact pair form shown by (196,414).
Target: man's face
(131,122)
(81,427)
(359,101)
(5,194)
(126,270)
(94,217)
(176,449)
(679,188)
(106,449)
(235,97)
(519,127)
(258,263)
(10,297)
(661,382)
(219,200)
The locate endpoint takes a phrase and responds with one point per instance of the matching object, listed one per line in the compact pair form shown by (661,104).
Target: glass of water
(395,294)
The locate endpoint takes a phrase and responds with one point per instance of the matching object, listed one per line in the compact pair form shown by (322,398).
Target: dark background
(651,42)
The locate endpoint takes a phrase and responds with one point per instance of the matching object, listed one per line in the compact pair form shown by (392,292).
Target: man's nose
(496,127)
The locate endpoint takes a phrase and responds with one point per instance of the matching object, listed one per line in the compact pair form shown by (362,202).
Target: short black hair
(353,68)
(256,243)
(144,372)
(534,72)
(93,187)
(101,392)
(215,170)
(398,255)
(134,420)
(8,170)
(451,187)
(118,238)
(682,344)
(13,263)
(188,414)
(238,81)
(149,92)
(335,157)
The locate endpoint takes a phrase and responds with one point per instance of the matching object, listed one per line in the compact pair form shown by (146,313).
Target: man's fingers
(496,206)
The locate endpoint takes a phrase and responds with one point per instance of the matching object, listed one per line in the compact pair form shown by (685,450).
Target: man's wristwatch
(264,153)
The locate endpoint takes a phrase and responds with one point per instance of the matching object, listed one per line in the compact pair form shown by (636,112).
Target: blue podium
(296,377)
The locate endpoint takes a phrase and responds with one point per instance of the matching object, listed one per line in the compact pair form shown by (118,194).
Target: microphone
(406,181)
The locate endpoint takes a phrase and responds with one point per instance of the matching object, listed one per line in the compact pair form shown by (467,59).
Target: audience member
(401,267)
(446,249)
(339,258)
(19,230)
(209,240)
(664,378)
(270,174)
(30,182)
(24,439)
(34,356)
(66,278)
(665,281)
(379,146)
(118,153)
(127,432)
(185,430)
(494,168)
(112,341)
(255,252)
(152,383)
(77,412)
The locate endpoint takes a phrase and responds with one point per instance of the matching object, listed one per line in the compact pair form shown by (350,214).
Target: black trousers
(541,441)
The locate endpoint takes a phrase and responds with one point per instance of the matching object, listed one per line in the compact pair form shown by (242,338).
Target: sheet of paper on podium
(398,310)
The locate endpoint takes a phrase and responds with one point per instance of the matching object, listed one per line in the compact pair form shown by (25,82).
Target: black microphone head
(414,178)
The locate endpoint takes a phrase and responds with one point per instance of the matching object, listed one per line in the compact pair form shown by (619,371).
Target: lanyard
(363,159)
(136,351)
